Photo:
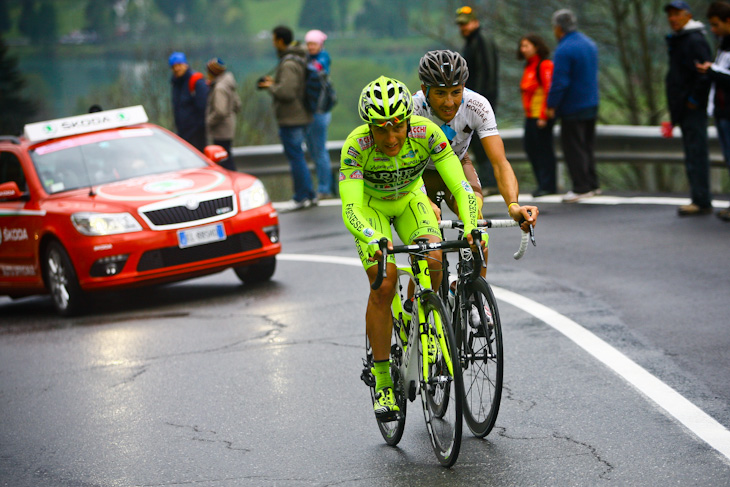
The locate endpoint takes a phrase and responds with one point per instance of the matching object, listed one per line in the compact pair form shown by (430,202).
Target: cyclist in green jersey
(380,183)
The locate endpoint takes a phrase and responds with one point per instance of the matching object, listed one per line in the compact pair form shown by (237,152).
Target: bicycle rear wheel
(442,393)
(391,430)
(480,353)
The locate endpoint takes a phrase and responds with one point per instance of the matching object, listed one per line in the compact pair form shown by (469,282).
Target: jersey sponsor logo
(408,155)
(422,209)
(479,109)
(342,176)
(14,234)
(467,187)
(417,132)
(351,162)
(352,152)
(352,218)
(365,142)
(431,140)
(368,232)
(357,174)
(381,159)
(395,176)
(440,147)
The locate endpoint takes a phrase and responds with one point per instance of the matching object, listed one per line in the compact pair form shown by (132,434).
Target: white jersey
(474,115)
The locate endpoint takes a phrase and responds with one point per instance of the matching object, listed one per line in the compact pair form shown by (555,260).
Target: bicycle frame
(419,275)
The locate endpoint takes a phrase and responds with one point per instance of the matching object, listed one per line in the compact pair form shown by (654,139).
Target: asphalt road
(211,383)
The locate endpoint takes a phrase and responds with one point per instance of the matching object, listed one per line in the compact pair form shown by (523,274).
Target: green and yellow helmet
(385,100)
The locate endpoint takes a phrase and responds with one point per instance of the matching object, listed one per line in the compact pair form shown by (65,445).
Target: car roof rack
(81,124)
(10,138)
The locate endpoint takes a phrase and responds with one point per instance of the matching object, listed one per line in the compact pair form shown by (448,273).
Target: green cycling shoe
(385,407)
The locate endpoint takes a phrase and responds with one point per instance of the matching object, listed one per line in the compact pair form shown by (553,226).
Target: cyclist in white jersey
(460,112)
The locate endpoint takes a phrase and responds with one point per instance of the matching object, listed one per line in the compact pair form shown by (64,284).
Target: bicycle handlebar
(506,223)
(421,246)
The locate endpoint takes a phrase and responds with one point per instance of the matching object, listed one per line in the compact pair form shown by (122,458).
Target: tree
(47,33)
(100,17)
(318,14)
(5,23)
(15,109)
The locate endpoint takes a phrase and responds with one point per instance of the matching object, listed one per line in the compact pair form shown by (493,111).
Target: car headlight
(253,196)
(94,224)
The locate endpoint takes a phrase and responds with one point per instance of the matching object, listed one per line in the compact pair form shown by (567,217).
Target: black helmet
(443,68)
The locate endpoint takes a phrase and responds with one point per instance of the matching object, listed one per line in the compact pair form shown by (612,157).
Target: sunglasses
(391,121)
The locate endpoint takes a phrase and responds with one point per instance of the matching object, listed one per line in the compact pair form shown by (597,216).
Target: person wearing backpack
(316,135)
(538,138)
(287,89)
(189,96)
(223,105)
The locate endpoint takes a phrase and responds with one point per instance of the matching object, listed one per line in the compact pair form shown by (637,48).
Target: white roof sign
(90,122)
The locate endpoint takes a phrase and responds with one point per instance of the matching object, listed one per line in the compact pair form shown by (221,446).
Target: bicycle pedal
(367,377)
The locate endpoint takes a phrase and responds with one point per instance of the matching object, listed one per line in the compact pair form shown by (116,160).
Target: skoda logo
(192,204)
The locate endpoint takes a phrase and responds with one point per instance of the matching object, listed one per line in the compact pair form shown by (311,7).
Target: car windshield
(105,157)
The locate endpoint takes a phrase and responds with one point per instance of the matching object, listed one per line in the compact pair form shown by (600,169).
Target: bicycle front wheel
(441,393)
(479,336)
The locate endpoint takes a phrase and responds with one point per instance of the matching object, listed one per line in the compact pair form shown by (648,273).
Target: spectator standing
(189,95)
(287,90)
(687,92)
(718,15)
(317,131)
(538,138)
(222,107)
(573,97)
(480,53)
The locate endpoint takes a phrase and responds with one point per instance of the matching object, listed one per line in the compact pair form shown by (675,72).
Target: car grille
(172,256)
(182,214)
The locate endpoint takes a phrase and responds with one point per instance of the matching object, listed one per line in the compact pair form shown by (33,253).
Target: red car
(107,201)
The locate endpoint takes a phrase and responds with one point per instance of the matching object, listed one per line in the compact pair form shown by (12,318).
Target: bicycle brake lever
(532,231)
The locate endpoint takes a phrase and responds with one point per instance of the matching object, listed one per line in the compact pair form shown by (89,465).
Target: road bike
(477,329)
(423,353)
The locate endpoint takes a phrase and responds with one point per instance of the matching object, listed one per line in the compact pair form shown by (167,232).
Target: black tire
(257,272)
(442,395)
(61,280)
(481,356)
(392,431)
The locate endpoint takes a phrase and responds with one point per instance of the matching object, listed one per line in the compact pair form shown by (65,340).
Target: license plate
(201,235)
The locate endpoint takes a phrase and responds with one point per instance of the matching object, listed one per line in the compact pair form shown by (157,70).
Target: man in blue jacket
(687,92)
(189,95)
(574,98)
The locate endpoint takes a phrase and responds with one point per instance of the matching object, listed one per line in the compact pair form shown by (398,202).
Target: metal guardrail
(614,144)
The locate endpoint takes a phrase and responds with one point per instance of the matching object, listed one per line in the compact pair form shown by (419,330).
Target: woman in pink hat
(316,135)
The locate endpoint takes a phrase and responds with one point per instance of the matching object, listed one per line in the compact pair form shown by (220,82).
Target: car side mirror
(11,192)
(215,153)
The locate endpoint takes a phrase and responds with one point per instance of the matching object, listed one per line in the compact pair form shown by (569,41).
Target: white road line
(596,200)
(693,418)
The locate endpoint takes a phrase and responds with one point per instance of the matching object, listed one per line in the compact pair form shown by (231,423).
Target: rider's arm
(352,189)
(506,179)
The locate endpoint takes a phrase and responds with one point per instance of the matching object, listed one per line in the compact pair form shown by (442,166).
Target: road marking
(557,198)
(693,418)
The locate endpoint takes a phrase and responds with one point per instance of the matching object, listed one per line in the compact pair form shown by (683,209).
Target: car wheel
(61,280)
(258,272)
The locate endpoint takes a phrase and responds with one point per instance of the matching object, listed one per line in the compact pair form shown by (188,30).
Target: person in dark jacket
(687,92)
(188,101)
(718,15)
(287,90)
(480,53)
(573,97)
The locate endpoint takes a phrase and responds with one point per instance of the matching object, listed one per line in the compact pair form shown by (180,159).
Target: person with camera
(287,90)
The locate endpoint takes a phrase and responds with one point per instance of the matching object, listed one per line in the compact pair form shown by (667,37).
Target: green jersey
(365,172)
